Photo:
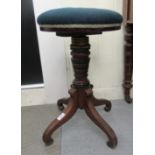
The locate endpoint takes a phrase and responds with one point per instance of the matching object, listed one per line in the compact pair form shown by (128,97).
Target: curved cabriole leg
(61,103)
(59,121)
(100,122)
(107,103)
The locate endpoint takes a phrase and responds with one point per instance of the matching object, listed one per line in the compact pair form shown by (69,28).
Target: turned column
(128,62)
(80,60)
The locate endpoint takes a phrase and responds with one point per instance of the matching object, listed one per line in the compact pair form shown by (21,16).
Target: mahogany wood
(100,122)
(62,102)
(67,32)
(128,61)
(97,102)
(81,94)
(68,113)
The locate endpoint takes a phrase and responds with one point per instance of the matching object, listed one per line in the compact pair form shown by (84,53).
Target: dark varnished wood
(99,121)
(80,61)
(128,62)
(69,112)
(62,102)
(81,94)
(67,32)
(99,102)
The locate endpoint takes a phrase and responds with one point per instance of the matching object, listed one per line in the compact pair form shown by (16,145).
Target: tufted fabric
(79,18)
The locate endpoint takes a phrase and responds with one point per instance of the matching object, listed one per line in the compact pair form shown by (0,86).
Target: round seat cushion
(79,18)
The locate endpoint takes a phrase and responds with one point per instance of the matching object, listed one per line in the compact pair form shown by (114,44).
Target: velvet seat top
(79,18)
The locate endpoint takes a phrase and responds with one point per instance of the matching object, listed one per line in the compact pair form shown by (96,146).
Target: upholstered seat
(79,18)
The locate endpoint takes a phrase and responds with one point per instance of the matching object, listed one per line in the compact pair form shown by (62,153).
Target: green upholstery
(79,18)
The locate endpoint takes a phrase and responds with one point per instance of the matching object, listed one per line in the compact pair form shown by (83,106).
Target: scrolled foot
(60,106)
(108,107)
(98,102)
(128,99)
(127,87)
(47,140)
(61,103)
(112,144)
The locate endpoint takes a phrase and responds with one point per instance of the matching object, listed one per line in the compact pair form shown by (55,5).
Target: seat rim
(79,31)
(79,26)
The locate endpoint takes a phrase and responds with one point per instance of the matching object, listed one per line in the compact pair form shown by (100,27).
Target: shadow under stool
(79,23)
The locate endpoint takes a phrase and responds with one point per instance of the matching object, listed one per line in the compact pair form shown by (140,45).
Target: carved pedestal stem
(80,61)
(81,95)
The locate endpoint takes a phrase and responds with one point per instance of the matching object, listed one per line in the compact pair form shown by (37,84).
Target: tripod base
(83,99)
(62,103)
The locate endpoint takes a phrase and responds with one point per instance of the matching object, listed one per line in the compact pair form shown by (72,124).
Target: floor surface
(79,136)
(34,121)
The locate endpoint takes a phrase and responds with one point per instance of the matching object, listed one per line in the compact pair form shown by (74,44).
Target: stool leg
(98,102)
(68,112)
(100,122)
(61,103)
